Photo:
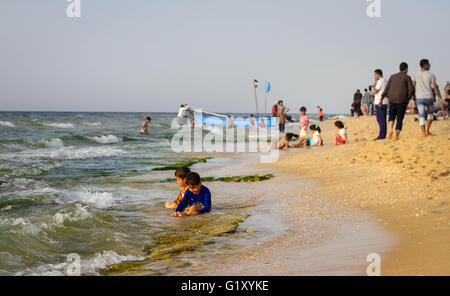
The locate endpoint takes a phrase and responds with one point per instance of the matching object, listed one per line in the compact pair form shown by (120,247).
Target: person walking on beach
(426,88)
(399,91)
(357,101)
(380,104)
(321,114)
(367,102)
(281,114)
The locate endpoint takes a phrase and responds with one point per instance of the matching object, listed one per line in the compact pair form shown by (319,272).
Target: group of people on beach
(392,97)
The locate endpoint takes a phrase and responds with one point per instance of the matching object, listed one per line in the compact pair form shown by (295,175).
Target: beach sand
(386,197)
(404,183)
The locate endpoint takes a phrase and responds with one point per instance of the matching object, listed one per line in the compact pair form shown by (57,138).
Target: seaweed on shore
(234,179)
(187,163)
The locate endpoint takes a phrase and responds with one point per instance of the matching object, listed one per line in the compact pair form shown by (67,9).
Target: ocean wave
(52,143)
(21,144)
(90,266)
(156,144)
(105,139)
(97,199)
(63,153)
(31,170)
(23,224)
(92,123)
(78,214)
(6,124)
(60,125)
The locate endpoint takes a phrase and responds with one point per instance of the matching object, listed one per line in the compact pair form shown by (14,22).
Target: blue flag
(268,87)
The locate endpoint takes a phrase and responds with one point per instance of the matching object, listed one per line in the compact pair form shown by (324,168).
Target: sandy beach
(385,197)
(403,183)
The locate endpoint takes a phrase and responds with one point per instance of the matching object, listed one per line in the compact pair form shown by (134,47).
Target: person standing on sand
(426,87)
(380,104)
(399,91)
(281,114)
(321,114)
(357,101)
(367,102)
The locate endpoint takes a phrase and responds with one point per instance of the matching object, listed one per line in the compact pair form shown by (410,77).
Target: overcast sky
(153,55)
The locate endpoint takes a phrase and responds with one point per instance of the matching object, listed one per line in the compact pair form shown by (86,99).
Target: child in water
(196,200)
(304,122)
(315,140)
(180,175)
(340,137)
(144,127)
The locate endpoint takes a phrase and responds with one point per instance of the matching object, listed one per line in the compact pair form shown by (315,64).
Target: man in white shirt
(426,88)
(380,105)
(182,116)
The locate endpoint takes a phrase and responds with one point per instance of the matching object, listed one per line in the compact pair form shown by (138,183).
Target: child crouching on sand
(340,137)
(315,140)
(180,175)
(282,143)
(196,200)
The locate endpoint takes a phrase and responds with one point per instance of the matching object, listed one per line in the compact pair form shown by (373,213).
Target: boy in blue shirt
(196,200)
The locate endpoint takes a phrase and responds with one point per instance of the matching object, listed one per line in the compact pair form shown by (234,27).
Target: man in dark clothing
(357,101)
(399,90)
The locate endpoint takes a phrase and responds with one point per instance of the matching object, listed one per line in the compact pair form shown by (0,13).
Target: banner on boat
(209,119)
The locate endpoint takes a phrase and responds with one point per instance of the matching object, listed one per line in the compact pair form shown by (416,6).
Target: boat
(209,119)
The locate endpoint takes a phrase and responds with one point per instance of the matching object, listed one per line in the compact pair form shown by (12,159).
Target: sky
(153,55)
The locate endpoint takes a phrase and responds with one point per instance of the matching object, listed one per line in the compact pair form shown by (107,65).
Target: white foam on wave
(92,123)
(105,139)
(22,224)
(63,153)
(97,199)
(91,266)
(52,142)
(79,213)
(156,144)
(6,124)
(60,125)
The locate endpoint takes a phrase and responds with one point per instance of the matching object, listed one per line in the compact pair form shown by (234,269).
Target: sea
(79,193)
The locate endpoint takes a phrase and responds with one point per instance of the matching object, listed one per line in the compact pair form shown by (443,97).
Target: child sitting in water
(180,175)
(340,137)
(282,143)
(315,140)
(196,200)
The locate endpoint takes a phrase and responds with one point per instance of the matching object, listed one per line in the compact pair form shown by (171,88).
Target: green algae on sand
(186,163)
(235,179)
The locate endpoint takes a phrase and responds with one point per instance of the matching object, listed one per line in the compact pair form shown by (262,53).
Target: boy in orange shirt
(180,175)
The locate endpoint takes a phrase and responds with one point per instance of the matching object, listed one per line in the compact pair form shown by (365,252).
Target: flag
(268,87)
(255,83)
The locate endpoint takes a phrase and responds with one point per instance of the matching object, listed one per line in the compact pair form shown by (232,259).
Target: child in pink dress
(304,122)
